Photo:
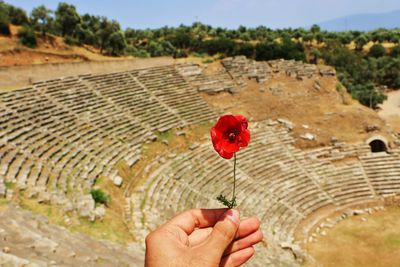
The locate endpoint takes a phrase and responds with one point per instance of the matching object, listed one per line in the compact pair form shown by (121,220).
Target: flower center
(232,137)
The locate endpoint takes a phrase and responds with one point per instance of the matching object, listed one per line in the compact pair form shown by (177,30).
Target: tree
(395,51)
(245,49)
(377,36)
(14,15)
(67,18)
(345,38)
(315,29)
(219,45)
(85,36)
(27,37)
(319,37)
(117,43)
(377,50)
(41,17)
(389,73)
(360,41)
(4,20)
(106,29)
(316,54)
(182,40)
(267,51)
(163,48)
(17,15)
(308,37)
(292,50)
(368,95)
(4,25)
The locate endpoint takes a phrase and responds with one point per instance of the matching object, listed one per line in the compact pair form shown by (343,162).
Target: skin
(203,237)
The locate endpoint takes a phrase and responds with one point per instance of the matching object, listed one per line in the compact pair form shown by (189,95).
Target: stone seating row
(95,108)
(129,95)
(345,183)
(383,171)
(175,91)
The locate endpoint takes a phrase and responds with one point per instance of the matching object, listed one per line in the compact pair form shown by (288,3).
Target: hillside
(314,105)
(51,49)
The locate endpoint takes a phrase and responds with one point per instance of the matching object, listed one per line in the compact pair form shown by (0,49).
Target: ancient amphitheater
(57,137)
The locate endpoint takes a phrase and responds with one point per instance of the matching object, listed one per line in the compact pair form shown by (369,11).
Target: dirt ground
(365,240)
(323,112)
(390,110)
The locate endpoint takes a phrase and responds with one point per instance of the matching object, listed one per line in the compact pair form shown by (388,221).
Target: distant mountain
(363,22)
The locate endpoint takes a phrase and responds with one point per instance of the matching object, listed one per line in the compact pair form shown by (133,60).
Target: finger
(223,233)
(244,242)
(246,227)
(189,220)
(237,258)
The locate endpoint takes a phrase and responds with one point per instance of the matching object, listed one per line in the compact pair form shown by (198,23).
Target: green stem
(221,198)
(234,178)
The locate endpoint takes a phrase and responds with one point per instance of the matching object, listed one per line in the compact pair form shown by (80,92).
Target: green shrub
(368,95)
(180,53)
(69,40)
(99,196)
(339,87)
(377,50)
(4,25)
(218,46)
(395,51)
(27,37)
(136,52)
(245,49)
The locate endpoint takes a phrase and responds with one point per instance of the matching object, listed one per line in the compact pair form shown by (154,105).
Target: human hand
(203,237)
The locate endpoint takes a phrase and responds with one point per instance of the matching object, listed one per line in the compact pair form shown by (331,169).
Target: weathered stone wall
(14,77)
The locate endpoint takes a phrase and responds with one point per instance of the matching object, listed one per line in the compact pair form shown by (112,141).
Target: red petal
(225,123)
(242,120)
(244,138)
(229,147)
(225,154)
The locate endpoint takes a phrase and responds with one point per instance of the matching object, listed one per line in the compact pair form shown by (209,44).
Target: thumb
(224,232)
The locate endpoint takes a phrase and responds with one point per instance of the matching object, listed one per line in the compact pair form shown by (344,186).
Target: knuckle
(150,238)
(260,235)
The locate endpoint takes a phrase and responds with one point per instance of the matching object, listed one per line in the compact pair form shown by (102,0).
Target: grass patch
(9,185)
(3,202)
(167,135)
(111,227)
(369,242)
(208,60)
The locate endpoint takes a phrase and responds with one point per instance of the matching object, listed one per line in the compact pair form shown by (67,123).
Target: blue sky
(224,13)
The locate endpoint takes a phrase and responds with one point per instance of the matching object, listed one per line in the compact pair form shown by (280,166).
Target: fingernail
(233,215)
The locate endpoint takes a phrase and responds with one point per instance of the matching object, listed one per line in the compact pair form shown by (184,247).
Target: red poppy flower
(229,135)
